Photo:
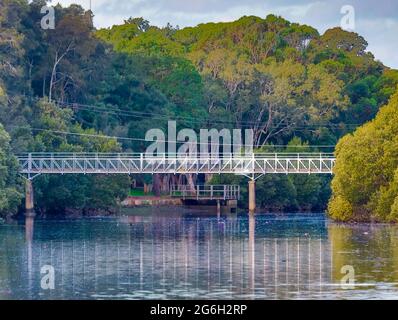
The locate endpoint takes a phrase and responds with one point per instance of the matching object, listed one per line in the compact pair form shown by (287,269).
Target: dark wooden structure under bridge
(224,197)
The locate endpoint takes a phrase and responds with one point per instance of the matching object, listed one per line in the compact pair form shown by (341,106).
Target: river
(177,255)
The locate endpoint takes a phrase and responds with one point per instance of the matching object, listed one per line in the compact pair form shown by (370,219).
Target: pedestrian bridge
(252,166)
(34,164)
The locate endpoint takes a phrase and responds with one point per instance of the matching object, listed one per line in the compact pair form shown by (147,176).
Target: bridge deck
(124,163)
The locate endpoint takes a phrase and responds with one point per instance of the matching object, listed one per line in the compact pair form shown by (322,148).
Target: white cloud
(381,35)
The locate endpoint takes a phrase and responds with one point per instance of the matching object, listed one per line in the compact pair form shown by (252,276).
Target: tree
(56,194)
(308,187)
(365,182)
(10,182)
(141,24)
(291,95)
(68,54)
(11,50)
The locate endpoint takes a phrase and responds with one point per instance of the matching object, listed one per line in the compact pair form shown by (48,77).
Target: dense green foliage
(277,77)
(284,80)
(10,195)
(28,55)
(61,88)
(365,185)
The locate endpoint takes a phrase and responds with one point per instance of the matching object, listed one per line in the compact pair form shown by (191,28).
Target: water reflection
(251,252)
(163,256)
(29,229)
(372,250)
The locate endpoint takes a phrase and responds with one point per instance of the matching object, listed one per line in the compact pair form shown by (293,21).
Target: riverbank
(150,201)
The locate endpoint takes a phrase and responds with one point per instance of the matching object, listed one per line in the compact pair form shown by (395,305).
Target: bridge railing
(95,155)
(206,192)
(130,163)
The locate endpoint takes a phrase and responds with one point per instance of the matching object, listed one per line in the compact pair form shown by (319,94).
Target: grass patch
(140,193)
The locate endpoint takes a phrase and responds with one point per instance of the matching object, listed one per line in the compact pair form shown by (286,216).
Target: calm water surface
(183,256)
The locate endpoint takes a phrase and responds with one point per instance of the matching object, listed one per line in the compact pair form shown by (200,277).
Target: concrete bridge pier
(29,204)
(252,196)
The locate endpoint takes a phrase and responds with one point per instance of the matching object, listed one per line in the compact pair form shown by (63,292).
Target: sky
(375,20)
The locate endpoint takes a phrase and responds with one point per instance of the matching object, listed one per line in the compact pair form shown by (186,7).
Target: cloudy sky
(376,20)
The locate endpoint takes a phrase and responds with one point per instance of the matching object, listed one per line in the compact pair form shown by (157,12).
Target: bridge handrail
(204,187)
(226,192)
(107,163)
(103,155)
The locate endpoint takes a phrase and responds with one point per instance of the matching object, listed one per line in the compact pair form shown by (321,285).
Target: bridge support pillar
(252,196)
(218,209)
(29,204)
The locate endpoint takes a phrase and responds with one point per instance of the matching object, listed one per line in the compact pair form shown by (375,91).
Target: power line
(138,114)
(151,115)
(164,141)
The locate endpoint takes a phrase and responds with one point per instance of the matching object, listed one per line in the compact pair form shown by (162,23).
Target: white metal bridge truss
(34,164)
